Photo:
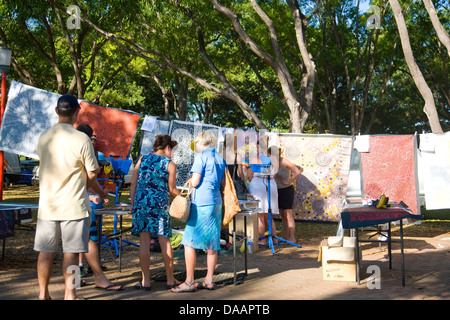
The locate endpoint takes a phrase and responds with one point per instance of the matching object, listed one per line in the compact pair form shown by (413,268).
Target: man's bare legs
(45,268)
(93,259)
(69,259)
(44,271)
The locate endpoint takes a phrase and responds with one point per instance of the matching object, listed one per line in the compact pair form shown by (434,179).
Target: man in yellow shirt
(67,169)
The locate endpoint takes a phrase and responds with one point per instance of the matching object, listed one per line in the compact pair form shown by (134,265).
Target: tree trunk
(298,111)
(440,31)
(419,80)
(164,95)
(309,75)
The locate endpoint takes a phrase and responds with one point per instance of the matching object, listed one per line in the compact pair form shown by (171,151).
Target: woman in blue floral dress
(154,178)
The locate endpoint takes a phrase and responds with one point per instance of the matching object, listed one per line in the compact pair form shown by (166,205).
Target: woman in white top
(258,187)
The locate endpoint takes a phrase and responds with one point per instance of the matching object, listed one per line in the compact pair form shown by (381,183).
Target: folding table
(357,216)
(10,215)
(116,212)
(246,212)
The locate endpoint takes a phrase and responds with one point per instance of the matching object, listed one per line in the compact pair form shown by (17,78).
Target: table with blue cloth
(12,214)
(356,216)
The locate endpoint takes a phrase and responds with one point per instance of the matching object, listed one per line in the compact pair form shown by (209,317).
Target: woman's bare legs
(288,222)
(144,257)
(167,255)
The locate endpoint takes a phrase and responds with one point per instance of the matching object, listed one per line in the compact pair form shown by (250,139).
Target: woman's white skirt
(258,188)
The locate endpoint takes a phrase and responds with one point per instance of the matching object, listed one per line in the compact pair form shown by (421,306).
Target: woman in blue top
(203,227)
(153,179)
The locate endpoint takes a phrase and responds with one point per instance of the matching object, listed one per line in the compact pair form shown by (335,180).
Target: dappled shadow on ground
(290,274)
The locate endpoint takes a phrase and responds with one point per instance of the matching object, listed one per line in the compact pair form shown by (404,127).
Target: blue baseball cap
(67,101)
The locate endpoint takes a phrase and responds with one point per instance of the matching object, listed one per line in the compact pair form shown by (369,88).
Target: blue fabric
(211,166)
(151,201)
(6,223)
(202,229)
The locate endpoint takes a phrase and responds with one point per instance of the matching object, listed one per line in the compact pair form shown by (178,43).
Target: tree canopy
(293,65)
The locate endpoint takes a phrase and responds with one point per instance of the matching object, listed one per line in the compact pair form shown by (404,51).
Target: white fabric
(148,137)
(435,170)
(29,112)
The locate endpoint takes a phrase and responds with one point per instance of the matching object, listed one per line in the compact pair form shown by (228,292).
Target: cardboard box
(338,256)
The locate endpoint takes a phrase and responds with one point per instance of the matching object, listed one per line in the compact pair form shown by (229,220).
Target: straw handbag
(180,207)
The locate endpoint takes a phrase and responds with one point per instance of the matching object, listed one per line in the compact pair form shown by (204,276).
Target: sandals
(139,286)
(206,285)
(174,285)
(189,287)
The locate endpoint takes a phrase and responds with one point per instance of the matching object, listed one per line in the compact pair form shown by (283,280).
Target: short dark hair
(84,127)
(162,141)
(66,112)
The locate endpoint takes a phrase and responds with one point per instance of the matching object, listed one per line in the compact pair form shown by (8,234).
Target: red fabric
(115,129)
(370,213)
(389,168)
(363,216)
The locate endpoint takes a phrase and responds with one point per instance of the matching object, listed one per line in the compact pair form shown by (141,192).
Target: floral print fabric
(151,201)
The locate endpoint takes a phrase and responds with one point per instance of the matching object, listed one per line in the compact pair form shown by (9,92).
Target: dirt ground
(288,275)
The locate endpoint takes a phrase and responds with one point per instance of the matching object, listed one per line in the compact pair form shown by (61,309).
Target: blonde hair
(207,138)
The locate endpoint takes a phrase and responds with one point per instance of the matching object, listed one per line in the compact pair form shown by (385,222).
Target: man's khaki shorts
(73,233)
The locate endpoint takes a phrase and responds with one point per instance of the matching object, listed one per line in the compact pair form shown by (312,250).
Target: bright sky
(363,6)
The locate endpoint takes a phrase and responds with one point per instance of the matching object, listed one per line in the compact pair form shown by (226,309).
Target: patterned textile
(184,133)
(148,138)
(320,190)
(246,144)
(29,112)
(390,168)
(363,216)
(115,129)
(151,201)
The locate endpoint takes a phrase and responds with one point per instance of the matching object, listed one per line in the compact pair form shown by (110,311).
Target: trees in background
(298,66)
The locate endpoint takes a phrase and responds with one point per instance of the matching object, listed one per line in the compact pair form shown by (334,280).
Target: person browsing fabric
(154,178)
(93,255)
(258,187)
(285,177)
(203,226)
(67,169)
